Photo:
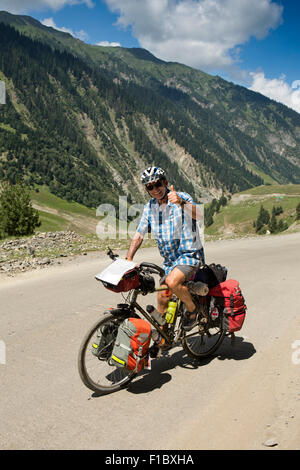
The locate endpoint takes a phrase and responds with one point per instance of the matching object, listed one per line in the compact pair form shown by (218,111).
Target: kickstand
(232,336)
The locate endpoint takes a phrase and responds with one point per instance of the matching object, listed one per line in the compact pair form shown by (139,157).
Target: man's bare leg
(175,281)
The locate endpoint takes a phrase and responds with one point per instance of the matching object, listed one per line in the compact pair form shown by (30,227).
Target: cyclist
(171,216)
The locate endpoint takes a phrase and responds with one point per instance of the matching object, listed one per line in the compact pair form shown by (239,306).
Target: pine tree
(223,200)
(262,219)
(273,227)
(277,210)
(298,212)
(282,225)
(208,220)
(266,216)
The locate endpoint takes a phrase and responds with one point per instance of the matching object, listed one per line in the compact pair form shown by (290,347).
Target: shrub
(17,216)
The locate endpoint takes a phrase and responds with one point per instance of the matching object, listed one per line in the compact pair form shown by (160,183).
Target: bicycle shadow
(147,381)
(241,350)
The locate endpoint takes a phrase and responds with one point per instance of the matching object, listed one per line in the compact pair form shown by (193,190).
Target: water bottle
(170,313)
(157,338)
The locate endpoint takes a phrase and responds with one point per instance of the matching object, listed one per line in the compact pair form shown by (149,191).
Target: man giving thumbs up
(171,217)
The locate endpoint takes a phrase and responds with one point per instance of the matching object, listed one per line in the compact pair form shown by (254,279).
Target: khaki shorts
(188,271)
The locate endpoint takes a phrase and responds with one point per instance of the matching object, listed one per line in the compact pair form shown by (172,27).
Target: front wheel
(93,365)
(204,339)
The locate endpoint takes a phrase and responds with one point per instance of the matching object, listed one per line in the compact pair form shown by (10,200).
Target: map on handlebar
(115,271)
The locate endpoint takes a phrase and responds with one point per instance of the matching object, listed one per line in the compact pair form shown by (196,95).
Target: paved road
(238,399)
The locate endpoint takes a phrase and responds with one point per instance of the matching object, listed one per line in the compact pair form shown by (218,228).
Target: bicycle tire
(193,344)
(112,378)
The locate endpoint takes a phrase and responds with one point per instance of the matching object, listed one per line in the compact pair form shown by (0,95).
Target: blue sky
(251,42)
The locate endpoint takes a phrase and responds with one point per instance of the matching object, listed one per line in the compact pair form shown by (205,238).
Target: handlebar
(151,267)
(111,254)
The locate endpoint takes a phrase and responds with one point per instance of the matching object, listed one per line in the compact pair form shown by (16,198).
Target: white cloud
(23,6)
(51,24)
(202,33)
(82,35)
(277,89)
(78,34)
(296,84)
(107,44)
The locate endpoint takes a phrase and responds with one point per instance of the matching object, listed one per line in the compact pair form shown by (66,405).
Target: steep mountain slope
(86,124)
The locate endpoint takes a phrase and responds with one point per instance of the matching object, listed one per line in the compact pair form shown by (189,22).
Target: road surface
(239,399)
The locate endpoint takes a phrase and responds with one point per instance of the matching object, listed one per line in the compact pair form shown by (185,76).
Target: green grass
(52,222)
(239,217)
(44,198)
(275,188)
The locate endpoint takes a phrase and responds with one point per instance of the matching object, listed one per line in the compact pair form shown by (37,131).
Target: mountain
(86,120)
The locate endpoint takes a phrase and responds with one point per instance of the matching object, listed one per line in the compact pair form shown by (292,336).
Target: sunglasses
(158,184)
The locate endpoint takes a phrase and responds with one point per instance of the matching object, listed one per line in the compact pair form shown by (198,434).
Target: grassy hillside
(58,214)
(237,217)
(289,189)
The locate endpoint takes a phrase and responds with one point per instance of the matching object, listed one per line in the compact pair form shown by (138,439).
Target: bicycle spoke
(205,341)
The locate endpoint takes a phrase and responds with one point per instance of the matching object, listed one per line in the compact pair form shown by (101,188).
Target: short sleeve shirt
(176,233)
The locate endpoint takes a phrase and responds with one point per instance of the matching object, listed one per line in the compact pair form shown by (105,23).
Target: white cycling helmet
(153,173)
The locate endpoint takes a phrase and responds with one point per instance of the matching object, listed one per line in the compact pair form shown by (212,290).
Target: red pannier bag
(227,297)
(130,280)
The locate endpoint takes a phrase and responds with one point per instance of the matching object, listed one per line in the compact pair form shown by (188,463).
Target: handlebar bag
(131,345)
(130,280)
(227,297)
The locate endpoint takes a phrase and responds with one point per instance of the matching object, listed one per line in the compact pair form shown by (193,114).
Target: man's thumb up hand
(173,196)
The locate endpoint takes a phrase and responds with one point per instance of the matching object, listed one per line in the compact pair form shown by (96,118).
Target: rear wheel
(94,366)
(205,338)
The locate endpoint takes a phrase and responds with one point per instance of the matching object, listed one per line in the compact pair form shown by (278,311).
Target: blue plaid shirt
(176,233)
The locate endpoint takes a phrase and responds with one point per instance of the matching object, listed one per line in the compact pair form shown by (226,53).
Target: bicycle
(96,371)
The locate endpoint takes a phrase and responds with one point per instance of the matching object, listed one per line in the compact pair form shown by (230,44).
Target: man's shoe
(189,323)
